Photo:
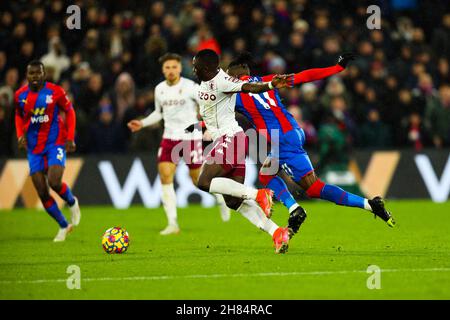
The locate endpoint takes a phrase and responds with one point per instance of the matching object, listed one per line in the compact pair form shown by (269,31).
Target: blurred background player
(41,131)
(269,116)
(176,103)
(223,170)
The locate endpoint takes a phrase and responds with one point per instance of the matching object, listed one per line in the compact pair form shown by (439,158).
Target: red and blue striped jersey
(265,110)
(38,114)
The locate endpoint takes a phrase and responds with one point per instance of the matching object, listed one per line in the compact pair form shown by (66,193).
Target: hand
(22,142)
(345,58)
(135,125)
(283,81)
(70,146)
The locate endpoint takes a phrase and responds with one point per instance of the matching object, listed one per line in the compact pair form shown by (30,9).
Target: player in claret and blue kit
(41,130)
(269,116)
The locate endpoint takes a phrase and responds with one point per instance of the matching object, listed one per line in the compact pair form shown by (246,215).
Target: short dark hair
(243,59)
(208,56)
(169,56)
(35,63)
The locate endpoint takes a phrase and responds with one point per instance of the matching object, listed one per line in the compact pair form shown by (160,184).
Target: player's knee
(55,184)
(314,188)
(265,178)
(203,183)
(43,194)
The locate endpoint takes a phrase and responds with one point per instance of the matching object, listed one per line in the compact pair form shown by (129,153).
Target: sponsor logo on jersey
(39,116)
(40,119)
(39,111)
(167,103)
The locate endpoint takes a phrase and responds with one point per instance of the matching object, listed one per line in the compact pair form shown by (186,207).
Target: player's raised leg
(212,180)
(316,188)
(253,213)
(41,186)
(166,172)
(55,174)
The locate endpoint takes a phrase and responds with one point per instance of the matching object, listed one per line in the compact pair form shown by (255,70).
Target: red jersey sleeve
(316,74)
(18,116)
(63,101)
(65,105)
(267,78)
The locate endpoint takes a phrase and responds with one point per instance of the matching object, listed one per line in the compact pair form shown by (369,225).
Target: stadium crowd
(395,94)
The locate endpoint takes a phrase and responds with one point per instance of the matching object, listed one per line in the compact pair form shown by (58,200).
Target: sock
(66,194)
(220,200)
(52,209)
(282,193)
(232,188)
(169,200)
(367,205)
(253,213)
(335,194)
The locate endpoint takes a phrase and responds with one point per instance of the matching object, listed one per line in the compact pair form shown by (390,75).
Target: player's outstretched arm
(152,118)
(321,73)
(278,81)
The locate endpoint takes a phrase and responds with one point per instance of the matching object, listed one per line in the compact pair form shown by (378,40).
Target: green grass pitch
(211,259)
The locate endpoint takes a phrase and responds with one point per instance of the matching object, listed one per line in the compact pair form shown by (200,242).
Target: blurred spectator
(10,85)
(123,96)
(335,88)
(56,58)
(437,115)
(203,39)
(332,144)
(415,133)
(402,70)
(441,37)
(374,133)
(230,31)
(91,51)
(106,134)
(310,104)
(342,117)
(3,64)
(90,95)
(443,73)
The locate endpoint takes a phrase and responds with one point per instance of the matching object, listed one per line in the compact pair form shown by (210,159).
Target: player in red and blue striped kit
(269,117)
(41,130)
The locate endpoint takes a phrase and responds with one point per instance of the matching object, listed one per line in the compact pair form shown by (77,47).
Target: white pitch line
(237,275)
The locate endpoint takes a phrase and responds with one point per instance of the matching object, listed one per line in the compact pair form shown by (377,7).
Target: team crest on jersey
(48,99)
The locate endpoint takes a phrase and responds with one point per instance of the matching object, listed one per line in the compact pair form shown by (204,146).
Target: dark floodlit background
(395,96)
